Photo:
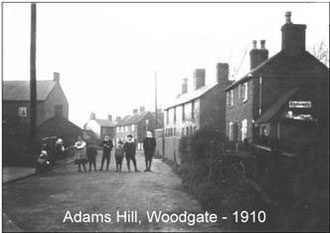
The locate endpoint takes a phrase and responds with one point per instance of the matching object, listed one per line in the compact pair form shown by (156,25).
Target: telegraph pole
(155,101)
(33,80)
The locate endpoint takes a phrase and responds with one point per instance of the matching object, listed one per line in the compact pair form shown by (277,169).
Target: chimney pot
(262,44)
(288,17)
(56,77)
(254,44)
(135,111)
(110,117)
(257,56)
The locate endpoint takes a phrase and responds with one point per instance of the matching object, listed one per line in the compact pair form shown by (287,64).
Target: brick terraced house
(281,98)
(204,107)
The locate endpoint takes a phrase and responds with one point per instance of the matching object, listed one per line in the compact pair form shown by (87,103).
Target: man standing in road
(107,147)
(149,145)
(130,149)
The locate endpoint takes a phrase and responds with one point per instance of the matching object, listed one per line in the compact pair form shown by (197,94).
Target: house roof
(277,106)
(20,90)
(284,64)
(106,123)
(191,95)
(133,119)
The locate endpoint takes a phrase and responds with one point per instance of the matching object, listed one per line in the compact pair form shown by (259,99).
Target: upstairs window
(58,110)
(230,98)
(245,91)
(193,110)
(174,117)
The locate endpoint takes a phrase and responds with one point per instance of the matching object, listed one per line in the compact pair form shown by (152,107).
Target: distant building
(281,98)
(51,101)
(204,107)
(137,125)
(101,127)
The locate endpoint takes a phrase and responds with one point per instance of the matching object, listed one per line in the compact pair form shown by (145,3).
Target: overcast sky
(107,54)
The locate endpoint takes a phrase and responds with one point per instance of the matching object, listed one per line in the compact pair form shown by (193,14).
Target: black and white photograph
(165,116)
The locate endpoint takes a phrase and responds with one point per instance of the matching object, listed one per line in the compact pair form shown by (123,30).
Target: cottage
(101,127)
(204,107)
(281,98)
(51,101)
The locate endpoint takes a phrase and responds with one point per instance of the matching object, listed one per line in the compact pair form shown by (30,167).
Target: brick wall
(56,97)
(241,110)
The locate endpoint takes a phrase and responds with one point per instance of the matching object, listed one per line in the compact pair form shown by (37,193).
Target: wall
(56,97)
(241,110)
(172,149)
(213,109)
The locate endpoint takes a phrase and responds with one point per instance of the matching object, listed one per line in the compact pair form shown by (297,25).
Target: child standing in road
(119,155)
(130,150)
(91,155)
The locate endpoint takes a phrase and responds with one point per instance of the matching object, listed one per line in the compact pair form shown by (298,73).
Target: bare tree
(321,51)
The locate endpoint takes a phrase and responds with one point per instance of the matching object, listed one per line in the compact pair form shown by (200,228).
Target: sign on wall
(300,104)
(22,111)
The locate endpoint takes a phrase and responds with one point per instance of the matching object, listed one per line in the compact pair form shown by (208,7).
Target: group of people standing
(87,153)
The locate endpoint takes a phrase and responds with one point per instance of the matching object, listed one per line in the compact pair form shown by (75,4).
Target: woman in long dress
(80,155)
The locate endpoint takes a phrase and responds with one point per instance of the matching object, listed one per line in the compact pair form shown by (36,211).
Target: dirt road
(43,203)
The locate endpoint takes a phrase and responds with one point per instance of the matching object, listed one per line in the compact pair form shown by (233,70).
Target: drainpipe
(260,95)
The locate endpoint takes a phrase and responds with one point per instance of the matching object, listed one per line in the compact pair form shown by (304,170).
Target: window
(231,131)
(58,110)
(174,117)
(192,110)
(244,129)
(167,117)
(230,98)
(245,91)
(133,127)
(126,128)
(239,91)
(22,111)
(183,116)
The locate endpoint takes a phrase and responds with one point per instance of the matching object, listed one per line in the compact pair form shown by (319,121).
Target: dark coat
(149,145)
(107,146)
(91,153)
(130,148)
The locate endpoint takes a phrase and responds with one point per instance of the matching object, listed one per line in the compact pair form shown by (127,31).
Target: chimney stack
(56,77)
(199,78)
(110,117)
(257,56)
(118,118)
(142,109)
(222,72)
(135,111)
(92,116)
(288,17)
(184,86)
(293,36)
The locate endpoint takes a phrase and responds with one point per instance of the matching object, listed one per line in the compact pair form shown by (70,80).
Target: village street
(40,203)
